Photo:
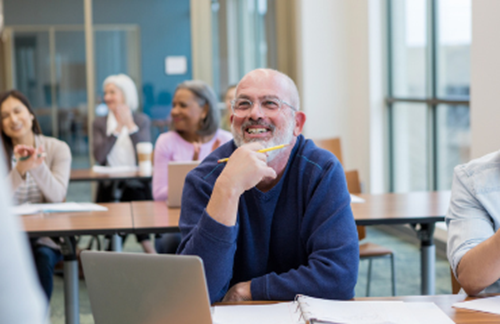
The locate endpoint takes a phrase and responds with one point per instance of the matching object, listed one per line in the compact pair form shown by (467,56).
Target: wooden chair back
(332,145)
(354,187)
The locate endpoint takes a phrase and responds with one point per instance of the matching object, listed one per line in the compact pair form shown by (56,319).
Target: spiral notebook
(322,311)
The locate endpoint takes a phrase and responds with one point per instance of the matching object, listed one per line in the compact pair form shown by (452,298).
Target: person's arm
(20,289)
(52,180)
(473,245)
(329,234)
(143,133)
(162,156)
(102,143)
(211,232)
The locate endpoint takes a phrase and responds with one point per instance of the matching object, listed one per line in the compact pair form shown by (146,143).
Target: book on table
(315,310)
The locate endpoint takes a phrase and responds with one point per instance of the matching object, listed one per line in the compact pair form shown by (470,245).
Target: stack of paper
(28,209)
(118,169)
(488,305)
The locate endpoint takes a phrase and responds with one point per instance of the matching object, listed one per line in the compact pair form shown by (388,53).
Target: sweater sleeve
(53,179)
(214,242)
(144,133)
(329,234)
(102,142)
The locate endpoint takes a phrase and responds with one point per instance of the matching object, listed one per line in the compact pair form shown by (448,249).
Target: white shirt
(122,153)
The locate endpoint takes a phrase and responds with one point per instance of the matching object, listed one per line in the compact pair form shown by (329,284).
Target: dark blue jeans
(45,260)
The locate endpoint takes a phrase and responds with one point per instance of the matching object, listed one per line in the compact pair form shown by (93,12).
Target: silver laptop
(136,288)
(177,172)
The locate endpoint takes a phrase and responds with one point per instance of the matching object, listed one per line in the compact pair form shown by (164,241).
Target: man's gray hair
(128,88)
(204,94)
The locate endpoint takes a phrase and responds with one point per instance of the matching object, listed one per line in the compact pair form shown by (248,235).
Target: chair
(369,251)
(332,145)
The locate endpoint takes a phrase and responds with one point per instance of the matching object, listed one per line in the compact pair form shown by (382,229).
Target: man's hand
(245,169)
(239,292)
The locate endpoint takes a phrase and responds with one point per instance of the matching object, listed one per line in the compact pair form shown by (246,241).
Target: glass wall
(428,97)
(239,29)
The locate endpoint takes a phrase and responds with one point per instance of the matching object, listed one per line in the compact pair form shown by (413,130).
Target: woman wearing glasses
(195,121)
(39,168)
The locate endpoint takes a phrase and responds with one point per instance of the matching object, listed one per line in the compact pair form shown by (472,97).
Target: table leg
(116,243)
(71,303)
(427,258)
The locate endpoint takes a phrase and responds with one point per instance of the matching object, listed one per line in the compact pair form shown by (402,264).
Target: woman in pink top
(195,119)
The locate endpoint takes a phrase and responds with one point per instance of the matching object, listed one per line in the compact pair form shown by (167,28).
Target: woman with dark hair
(195,120)
(39,169)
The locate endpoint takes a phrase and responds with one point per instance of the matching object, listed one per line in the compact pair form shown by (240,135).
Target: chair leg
(393,274)
(369,279)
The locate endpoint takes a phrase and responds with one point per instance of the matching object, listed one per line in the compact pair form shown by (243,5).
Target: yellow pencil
(277,147)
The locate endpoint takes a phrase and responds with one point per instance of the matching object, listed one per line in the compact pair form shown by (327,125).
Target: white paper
(356,200)
(116,169)
(488,305)
(428,313)
(28,209)
(352,312)
(281,313)
(175,65)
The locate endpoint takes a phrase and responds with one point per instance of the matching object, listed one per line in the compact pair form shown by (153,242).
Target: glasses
(269,107)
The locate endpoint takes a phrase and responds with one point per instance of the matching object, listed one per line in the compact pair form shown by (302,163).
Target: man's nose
(256,111)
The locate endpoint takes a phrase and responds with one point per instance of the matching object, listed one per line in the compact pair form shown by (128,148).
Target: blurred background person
(21,297)
(195,121)
(226,116)
(39,167)
(115,143)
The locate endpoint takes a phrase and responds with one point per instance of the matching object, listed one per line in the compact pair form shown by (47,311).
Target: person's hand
(197,148)
(124,118)
(246,168)
(216,144)
(239,292)
(28,158)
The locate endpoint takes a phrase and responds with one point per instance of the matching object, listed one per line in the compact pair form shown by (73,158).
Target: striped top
(28,191)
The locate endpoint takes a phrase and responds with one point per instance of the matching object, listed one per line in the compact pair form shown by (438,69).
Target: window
(428,91)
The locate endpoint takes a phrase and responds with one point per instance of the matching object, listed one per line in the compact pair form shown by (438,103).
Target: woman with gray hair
(195,121)
(115,140)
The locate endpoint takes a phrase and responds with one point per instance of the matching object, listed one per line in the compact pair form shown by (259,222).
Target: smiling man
(271,226)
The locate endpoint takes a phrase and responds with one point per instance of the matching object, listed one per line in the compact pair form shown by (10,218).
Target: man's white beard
(278,137)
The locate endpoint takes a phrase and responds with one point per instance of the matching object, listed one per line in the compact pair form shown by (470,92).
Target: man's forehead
(263,84)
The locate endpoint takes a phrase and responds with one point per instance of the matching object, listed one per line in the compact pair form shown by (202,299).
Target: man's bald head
(292,93)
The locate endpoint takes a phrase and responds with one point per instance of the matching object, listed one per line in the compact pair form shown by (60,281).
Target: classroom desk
(154,217)
(445,302)
(89,175)
(117,219)
(419,209)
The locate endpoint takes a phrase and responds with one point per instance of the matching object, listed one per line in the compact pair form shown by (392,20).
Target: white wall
(485,71)
(340,66)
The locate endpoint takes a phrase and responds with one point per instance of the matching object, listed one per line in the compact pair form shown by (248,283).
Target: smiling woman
(39,169)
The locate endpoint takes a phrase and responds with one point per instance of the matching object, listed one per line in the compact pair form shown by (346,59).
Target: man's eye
(270,104)
(242,105)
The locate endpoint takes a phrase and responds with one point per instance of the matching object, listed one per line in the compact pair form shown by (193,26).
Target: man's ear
(300,120)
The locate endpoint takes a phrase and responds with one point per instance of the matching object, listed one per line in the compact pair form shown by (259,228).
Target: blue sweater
(297,238)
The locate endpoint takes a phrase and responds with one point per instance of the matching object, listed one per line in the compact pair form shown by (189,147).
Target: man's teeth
(256,130)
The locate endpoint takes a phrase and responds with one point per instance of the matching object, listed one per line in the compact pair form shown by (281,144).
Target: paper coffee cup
(144,151)
(145,168)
